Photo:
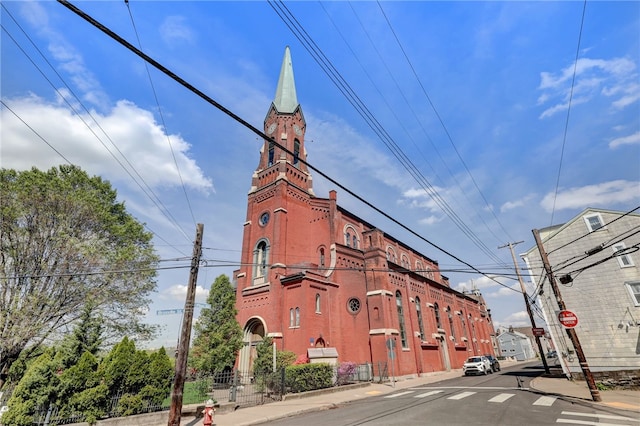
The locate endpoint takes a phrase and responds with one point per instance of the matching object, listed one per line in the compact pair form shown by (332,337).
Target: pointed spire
(286,100)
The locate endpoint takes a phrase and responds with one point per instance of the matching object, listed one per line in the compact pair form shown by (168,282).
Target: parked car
(477,365)
(495,365)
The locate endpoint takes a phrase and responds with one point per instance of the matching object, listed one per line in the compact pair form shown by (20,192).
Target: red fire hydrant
(208,413)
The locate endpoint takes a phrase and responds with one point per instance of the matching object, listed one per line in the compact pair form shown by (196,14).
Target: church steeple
(285,125)
(286,100)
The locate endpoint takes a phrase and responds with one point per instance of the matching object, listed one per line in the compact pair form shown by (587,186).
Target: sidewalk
(323,400)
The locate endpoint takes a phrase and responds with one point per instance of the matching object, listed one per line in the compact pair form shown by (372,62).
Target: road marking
(461,395)
(598,415)
(584,422)
(472,387)
(423,395)
(502,397)
(399,394)
(546,401)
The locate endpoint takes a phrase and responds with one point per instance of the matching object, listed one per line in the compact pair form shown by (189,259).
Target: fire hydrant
(208,413)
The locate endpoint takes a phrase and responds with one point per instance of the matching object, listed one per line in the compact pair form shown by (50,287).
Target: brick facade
(314,274)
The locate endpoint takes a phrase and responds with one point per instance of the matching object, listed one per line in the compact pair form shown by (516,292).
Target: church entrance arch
(254,332)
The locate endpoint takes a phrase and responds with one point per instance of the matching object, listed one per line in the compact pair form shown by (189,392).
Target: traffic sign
(538,331)
(568,319)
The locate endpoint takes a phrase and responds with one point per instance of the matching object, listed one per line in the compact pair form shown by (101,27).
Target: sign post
(568,319)
(391,344)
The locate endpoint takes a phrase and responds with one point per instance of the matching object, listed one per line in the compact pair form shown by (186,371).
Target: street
(502,398)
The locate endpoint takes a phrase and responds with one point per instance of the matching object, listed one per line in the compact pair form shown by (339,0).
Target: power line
(335,76)
(164,124)
(566,124)
(253,129)
(146,189)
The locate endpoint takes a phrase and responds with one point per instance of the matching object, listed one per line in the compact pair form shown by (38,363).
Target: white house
(516,345)
(594,258)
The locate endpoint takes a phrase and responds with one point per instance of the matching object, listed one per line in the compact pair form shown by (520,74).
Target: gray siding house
(516,345)
(595,260)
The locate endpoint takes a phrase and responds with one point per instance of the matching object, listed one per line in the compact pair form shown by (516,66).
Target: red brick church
(316,275)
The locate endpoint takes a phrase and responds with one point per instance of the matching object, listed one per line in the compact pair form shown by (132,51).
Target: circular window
(353,305)
(264,218)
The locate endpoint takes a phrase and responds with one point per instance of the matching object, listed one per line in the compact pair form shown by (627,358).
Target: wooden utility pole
(591,383)
(185,335)
(526,302)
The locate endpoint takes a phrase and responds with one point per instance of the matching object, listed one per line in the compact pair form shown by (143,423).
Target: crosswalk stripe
(502,397)
(597,415)
(546,401)
(398,394)
(423,395)
(585,422)
(461,395)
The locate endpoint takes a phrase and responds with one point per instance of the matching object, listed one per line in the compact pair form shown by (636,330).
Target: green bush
(129,404)
(306,377)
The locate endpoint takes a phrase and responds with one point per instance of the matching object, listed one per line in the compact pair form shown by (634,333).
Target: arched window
(297,317)
(404,261)
(296,152)
(317,303)
(419,268)
(391,255)
(419,312)
(450,317)
(321,257)
(260,261)
(271,154)
(291,318)
(436,311)
(350,237)
(403,332)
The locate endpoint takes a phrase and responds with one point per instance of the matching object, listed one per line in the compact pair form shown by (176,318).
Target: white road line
(502,397)
(584,422)
(461,395)
(546,401)
(599,416)
(398,394)
(423,395)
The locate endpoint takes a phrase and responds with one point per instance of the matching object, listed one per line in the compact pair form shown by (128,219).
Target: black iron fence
(226,387)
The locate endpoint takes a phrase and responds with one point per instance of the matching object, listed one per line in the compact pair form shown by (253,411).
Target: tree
(218,336)
(66,242)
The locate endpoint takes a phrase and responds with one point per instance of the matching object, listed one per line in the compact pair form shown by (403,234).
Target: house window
(297,317)
(419,312)
(436,311)
(347,239)
(271,154)
(419,268)
(317,303)
(296,152)
(624,259)
(291,317)
(404,261)
(260,261)
(634,291)
(391,255)
(322,257)
(594,222)
(403,332)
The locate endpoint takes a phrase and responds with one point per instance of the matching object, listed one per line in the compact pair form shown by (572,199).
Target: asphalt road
(502,398)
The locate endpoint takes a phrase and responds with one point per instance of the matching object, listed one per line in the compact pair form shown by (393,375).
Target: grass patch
(194,393)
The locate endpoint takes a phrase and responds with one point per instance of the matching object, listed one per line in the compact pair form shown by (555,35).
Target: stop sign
(568,319)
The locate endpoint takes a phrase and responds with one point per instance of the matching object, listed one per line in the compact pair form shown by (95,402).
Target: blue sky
(476,94)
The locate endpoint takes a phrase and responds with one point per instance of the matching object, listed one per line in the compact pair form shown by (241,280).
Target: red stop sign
(568,319)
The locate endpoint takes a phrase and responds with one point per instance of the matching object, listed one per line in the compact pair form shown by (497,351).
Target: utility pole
(175,411)
(526,302)
(591,383)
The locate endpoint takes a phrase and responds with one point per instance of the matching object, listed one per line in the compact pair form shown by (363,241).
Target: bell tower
(285,125)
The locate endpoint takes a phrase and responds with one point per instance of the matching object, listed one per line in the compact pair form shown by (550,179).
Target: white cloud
(611,78)
(602,194)
(178,292)
(625,140)
(81,140)
(175,31)
(489,283)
